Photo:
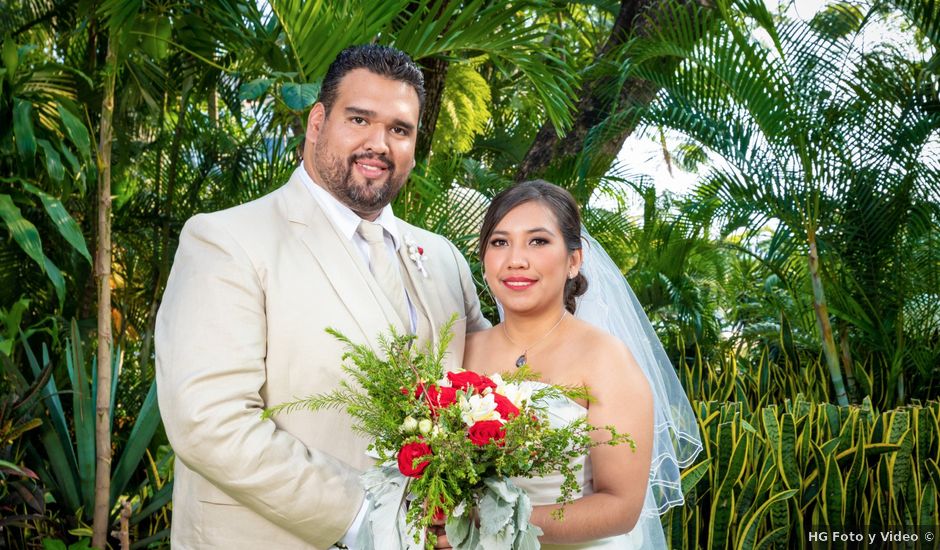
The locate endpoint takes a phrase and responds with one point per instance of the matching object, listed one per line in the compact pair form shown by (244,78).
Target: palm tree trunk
(595,105)
(435,76)
(822,320)
(847,363)
(103,275)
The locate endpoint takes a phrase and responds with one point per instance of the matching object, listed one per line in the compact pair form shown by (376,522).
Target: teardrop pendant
(520,361)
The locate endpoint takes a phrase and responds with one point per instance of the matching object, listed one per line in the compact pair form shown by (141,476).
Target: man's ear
(315,122)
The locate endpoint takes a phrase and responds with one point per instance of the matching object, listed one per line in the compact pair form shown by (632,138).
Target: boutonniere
(416,254)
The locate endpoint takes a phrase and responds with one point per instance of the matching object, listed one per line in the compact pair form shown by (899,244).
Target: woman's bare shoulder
(608,358)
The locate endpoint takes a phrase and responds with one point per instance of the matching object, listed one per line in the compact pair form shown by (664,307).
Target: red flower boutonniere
(416,254)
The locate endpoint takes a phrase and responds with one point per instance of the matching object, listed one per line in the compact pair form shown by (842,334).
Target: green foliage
(67,441)
(767,476)
(464,110)
(790,117)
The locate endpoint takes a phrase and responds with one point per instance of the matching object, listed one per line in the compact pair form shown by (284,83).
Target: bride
(569,314)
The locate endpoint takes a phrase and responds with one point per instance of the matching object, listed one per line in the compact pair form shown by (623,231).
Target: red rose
(441,398)
(504,406)
(484,431)
(407,455)
(466,379)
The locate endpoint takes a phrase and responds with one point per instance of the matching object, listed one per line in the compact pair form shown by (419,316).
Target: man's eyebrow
(372,114)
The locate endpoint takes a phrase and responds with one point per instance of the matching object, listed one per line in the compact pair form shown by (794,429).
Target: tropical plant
(790,118)
(769,476)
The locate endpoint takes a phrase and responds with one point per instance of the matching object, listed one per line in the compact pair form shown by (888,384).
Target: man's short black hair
(381,60)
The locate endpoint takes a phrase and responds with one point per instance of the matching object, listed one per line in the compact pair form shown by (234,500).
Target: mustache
(389,165)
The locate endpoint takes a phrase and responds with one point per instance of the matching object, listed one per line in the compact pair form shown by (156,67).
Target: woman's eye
(498,242)
(539,242)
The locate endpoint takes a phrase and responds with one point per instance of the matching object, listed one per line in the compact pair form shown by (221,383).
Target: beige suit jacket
(241,327)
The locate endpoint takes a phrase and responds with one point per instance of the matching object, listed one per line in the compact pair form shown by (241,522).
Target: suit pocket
(236,527)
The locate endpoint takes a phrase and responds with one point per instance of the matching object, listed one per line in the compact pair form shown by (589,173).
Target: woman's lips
(518,283)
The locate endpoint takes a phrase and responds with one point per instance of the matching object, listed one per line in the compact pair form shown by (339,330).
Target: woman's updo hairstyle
(565,209)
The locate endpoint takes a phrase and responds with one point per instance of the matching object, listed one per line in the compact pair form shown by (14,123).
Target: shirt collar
(343,217)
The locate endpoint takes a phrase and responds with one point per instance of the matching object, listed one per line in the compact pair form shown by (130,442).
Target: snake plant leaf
(833,494)
(928,505)
(748,531)
(934,471)
(747,496)
(852,486)
(63,221)
(692,475)
(721,511)
(786,454)
(738,461)
(775,539)
(900,464)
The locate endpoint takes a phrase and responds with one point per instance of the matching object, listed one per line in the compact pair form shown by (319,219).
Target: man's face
(364,150)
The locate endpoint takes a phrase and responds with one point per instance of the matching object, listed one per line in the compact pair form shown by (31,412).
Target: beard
(369,195)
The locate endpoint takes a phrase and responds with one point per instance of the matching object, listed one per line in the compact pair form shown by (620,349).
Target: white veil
(611,305)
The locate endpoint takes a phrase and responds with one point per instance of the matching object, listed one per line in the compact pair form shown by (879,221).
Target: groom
(252,289)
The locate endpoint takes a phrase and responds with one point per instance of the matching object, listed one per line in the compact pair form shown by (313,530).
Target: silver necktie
(386,272)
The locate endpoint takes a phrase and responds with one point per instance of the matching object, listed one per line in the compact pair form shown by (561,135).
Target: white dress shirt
(347,222)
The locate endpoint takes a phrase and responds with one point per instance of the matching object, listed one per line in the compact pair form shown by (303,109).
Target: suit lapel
(342,264)
(420,284)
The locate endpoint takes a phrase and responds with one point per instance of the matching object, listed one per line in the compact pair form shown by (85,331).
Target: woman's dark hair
(560,202)
(381,60)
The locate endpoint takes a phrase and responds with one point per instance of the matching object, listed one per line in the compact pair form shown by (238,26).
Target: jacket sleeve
(210,347)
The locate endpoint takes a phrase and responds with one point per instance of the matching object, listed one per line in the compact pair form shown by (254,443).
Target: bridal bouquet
(447,444)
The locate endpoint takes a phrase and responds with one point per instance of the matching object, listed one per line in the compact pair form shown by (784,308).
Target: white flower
(424,426)
(409,425)
(517,394)
(416,254)
(477,408)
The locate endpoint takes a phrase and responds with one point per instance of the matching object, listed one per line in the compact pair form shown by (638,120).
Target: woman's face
(526,262)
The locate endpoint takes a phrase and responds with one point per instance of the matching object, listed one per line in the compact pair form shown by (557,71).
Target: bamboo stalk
(822,321)
(103,276)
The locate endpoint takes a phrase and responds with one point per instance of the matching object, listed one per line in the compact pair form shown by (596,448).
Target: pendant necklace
(522,360)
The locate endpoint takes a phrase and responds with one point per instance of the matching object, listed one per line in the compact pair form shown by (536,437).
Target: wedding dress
(648,533)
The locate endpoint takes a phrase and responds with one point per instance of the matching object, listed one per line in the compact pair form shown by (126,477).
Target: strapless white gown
(647,534)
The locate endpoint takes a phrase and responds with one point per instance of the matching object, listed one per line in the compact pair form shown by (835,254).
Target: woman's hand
(437,527)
